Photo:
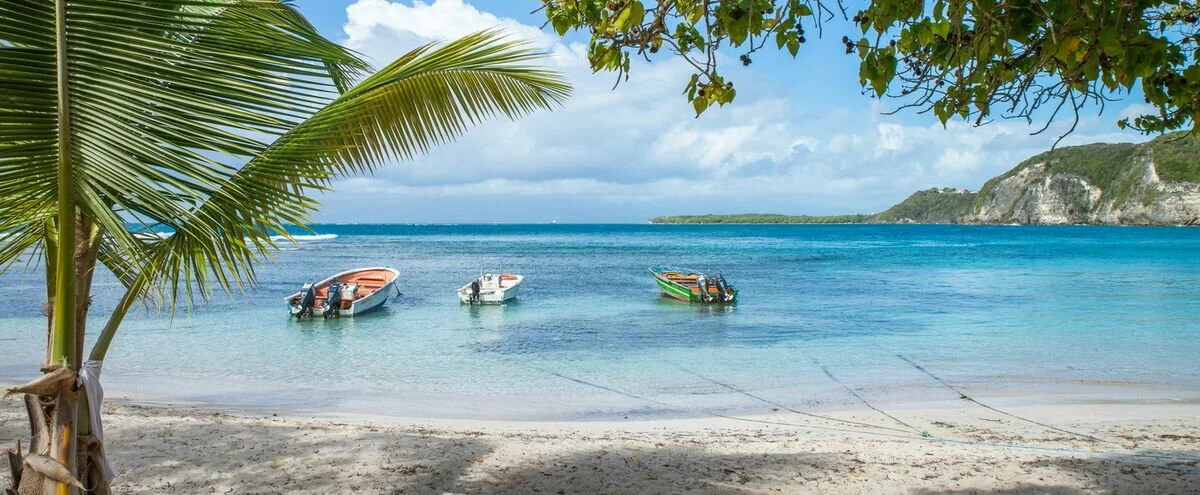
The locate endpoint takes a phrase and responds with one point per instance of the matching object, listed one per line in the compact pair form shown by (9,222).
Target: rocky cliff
(1153,183)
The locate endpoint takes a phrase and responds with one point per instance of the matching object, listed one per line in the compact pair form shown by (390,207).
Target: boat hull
(372,302)
(675,291)
(490,296)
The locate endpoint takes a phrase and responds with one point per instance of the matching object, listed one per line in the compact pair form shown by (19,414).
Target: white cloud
(843,142)
(953,161)
(1137,110)
(809,144)
(636,151)
(892,138)
(442,20)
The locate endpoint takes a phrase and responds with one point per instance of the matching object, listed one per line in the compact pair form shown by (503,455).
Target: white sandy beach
(163,448)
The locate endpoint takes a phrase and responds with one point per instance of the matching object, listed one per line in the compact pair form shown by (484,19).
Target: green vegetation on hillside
(929,206)
(1176,157)
(761,218)
(1100,165)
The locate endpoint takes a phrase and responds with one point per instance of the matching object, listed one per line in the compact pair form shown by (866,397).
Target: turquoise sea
(1008,313)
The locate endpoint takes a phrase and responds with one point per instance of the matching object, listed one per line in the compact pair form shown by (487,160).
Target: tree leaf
(629,16)
(924,34)
(1110,41)
(561,24)
(737,30)
(1066,49)
(941,29)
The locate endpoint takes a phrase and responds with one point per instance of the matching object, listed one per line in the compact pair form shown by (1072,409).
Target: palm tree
(211,119)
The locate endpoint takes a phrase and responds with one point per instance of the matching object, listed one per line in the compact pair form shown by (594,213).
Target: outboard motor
(474,292)
(308,297)
(722,287)
(702,284)
(333,300)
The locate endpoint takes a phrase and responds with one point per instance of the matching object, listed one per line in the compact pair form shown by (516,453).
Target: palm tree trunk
(88,236)
(51,407)
(90,452)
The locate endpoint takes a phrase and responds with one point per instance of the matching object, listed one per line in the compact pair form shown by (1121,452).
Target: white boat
(491,289)
(354,292)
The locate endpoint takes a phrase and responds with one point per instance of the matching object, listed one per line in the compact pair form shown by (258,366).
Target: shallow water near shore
(1010,313)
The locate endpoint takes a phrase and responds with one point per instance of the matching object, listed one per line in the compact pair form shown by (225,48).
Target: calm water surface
(1052,312)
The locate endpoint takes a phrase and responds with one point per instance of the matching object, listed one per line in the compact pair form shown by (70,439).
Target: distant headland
(1153,183)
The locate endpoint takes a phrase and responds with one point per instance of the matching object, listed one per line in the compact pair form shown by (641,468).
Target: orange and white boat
(349,293)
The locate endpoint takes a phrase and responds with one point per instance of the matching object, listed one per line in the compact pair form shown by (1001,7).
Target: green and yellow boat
(692,286)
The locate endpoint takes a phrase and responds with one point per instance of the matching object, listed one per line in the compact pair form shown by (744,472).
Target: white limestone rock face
(1057,200)
(1001,199)
(1032,195)
(1152,201)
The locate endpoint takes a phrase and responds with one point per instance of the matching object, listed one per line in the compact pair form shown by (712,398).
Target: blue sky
(801,138)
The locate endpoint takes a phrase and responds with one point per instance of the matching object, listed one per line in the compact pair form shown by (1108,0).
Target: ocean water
(1008,313)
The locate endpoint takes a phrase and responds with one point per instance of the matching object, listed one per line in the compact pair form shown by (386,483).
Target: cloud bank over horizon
(625,154)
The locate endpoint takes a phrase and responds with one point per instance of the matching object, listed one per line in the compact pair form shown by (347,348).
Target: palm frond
(166,100)
(28,126)
(427,97)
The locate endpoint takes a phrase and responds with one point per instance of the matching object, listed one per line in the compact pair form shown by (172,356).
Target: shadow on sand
(208,452)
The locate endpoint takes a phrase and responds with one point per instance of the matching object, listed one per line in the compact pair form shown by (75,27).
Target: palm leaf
(427,97)
(166,99)
(28,123)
